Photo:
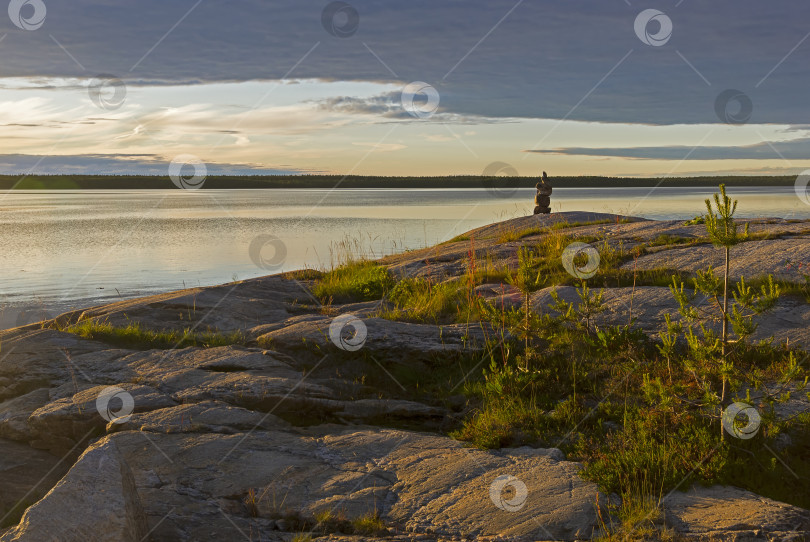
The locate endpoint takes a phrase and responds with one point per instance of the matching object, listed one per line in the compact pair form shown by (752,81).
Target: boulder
(14,414)
(392,341)
(96,501)
(205,417)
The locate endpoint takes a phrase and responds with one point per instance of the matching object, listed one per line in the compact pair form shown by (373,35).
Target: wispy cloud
(118,164)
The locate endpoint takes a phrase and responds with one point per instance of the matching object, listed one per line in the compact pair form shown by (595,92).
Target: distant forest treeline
(129,182)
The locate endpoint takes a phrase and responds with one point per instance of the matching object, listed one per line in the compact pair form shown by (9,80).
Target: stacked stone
(542,200)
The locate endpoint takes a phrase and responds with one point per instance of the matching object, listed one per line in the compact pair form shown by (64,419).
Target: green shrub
(656,449)
(503,422)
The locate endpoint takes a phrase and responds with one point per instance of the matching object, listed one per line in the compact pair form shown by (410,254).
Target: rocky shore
(289,434)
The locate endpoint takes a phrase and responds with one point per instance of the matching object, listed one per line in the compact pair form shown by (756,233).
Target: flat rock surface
(649,305)
(786,259)
(395,342)
(726,513)
(252,440)
(230,307)
(418,482)
(493,241)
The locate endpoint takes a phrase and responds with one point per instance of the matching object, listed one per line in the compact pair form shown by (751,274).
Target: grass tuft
(369,525)
(136,337)
(418,299)
(355,281)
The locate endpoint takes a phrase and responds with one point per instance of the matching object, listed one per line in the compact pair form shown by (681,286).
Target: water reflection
(68,249)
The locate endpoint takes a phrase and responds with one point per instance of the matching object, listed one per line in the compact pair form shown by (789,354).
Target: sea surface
(64,250)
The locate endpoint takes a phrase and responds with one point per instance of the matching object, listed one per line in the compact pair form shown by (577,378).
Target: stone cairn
(542,201)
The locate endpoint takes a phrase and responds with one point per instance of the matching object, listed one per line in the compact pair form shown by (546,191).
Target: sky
(424,87)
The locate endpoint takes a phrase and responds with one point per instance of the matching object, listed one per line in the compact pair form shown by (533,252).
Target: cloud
(748,171)
(61,124)
(388,106)
(779,150)
(438,137)
(576,60)
(383,105)
(118,164)
(382,147)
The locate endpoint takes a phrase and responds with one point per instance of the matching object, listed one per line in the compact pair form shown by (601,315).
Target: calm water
(69,249)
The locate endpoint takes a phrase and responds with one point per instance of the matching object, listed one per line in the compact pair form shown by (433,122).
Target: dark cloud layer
(786,150)
(540,62)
